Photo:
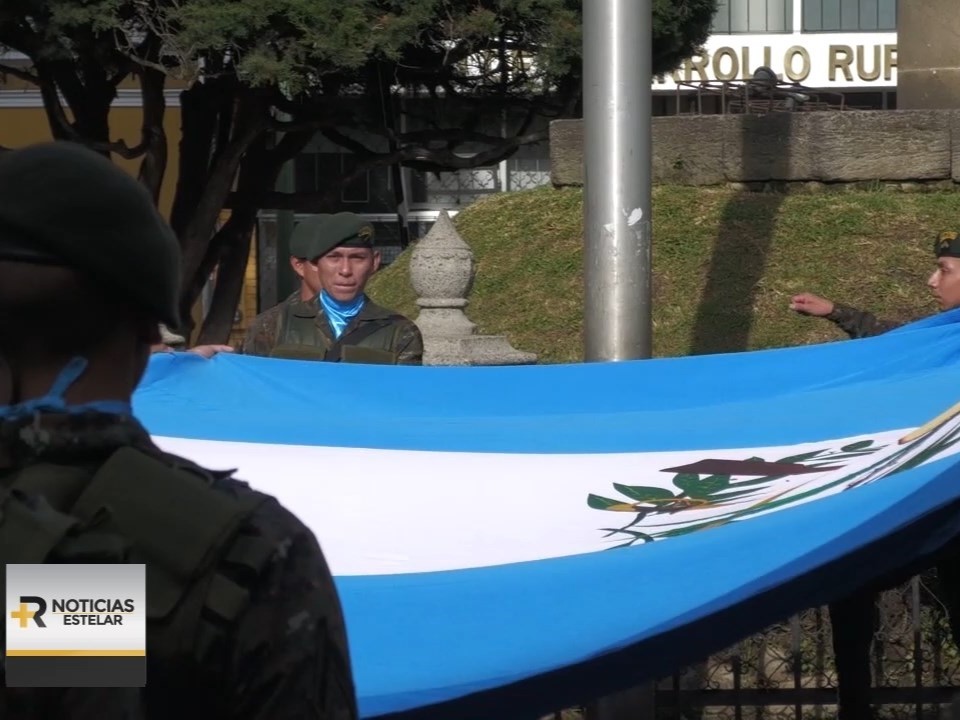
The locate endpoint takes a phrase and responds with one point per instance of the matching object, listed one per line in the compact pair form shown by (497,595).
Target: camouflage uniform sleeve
(859,323)
(291,658)
(260,337)
(409,344)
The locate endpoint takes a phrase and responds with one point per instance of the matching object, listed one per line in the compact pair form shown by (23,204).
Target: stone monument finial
(442,273)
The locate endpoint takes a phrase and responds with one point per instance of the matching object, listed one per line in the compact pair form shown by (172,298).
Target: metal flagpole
(617,66)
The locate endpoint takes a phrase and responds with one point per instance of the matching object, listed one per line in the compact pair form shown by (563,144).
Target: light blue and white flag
(508,541)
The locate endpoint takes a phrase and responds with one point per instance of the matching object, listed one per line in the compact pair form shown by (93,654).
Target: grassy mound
(725,265)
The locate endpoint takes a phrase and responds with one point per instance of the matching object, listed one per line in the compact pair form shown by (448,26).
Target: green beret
(63,204)
(317,235)
(947,244)
(301,239)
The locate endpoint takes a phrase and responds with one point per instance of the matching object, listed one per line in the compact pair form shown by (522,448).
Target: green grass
(725,264)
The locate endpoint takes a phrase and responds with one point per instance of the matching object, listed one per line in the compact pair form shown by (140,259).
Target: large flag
(508,541)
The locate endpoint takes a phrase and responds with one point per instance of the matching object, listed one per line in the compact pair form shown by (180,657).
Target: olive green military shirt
(265,333)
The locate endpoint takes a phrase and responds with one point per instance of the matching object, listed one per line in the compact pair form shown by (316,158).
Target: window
(529,167)
(849,15)
(864,100)
(321,171)
(453,189)
(359,190)
(753,16)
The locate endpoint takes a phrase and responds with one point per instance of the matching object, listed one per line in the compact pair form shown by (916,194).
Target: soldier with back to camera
(243,619)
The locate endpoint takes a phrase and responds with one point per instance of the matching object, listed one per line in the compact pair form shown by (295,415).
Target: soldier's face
(344,271)
(945,282)
(309,276)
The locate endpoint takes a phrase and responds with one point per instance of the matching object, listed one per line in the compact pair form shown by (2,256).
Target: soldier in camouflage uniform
(309,289)
(243,618)
(852,618)
(340,324)
(944,283)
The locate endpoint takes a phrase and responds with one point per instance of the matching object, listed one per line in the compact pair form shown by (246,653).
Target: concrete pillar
(928,61)
(442,273)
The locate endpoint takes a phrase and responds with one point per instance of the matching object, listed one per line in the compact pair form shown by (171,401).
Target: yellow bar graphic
(76,653)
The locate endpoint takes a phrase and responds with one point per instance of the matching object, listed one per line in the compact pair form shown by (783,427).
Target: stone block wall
(894,146)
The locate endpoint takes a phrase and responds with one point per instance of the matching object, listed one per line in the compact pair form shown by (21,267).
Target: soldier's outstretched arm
(291,657)
(859,323)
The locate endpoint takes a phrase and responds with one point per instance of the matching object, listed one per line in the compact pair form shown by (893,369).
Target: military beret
(301,239)
(317,235)
(63,204)
(947,244)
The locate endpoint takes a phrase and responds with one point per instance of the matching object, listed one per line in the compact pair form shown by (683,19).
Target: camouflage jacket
(263,336)
(265,326)
(284,657)
(859,323)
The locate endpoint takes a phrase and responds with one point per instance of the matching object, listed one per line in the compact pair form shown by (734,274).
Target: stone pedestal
(442,272)
(928,63)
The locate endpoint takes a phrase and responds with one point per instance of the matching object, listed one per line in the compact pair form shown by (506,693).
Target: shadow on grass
(725,314)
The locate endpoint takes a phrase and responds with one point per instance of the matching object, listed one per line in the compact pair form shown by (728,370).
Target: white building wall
(841,61)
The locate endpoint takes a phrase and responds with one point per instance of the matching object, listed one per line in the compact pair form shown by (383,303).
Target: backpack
(164,512)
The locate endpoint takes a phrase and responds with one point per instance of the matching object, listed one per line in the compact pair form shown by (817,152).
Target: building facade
(846,49)
(401,202)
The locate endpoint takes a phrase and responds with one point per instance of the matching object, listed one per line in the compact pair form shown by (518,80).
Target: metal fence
(787,671)
(757,97)
(458,188)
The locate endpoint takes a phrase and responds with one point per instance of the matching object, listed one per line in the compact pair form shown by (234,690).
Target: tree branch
(413,157)
(19,73)
(345,141)
(62,129)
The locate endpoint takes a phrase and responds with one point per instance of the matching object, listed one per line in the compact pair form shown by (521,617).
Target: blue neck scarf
(339,314)
(54,402)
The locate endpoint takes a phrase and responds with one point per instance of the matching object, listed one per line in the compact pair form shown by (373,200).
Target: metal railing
(760,97)
(787,671)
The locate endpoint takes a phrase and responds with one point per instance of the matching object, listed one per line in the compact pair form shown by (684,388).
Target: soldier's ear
(377,258)
(297,265)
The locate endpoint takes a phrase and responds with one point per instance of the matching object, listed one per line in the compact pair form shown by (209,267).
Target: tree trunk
(195,209)
(234,243)
(231,245)
(154,164)
(198,122)
(197,236)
